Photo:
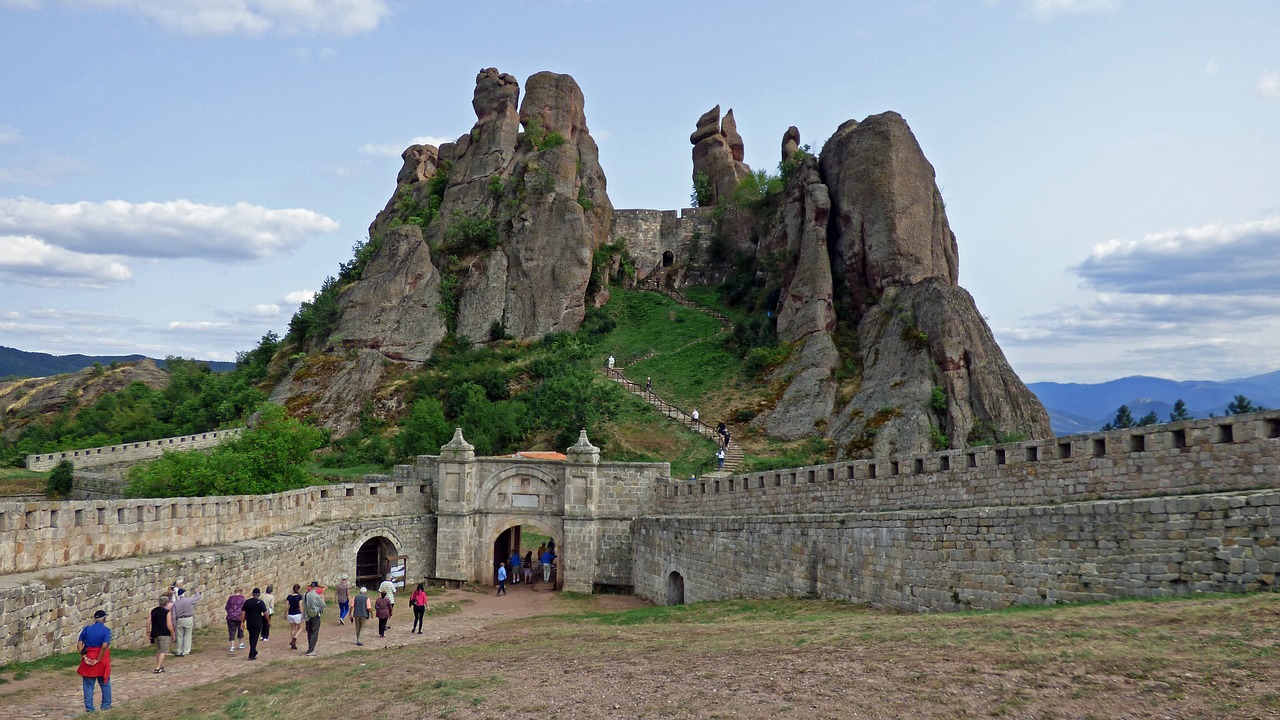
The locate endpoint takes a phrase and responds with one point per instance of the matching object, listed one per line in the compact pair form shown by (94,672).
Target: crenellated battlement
(131,452)
(1237,452)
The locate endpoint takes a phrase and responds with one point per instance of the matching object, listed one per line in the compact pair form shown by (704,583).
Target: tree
(1148,419)
(425,430)
(1124,419)
(59,484)
(269,457)
(1179,412)
(1241,405)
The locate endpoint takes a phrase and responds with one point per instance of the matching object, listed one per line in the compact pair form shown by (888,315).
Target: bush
(59,484)
(470,233)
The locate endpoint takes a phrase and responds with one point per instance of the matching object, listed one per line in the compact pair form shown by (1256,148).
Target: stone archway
(675,588)
(508,532)
(668,258)
(372,561)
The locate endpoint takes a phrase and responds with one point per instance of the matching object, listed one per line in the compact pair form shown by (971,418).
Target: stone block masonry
(130,452)
(1157,510)
(44,611)
(981,557)
(39,535)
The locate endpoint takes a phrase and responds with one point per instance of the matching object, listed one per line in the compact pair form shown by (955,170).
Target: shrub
(59,484)
(470,233)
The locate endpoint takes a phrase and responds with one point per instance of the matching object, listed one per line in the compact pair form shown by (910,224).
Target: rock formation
(27,399)
(870,282)
(717,155)
(493,232)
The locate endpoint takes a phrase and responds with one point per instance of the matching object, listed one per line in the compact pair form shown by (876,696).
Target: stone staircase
(732,454)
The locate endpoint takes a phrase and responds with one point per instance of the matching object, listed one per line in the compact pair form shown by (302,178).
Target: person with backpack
(313,606)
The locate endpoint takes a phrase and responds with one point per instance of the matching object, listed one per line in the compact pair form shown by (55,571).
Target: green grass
(347,473)
(687,376)
(19,481)
(639,433)
(650,322)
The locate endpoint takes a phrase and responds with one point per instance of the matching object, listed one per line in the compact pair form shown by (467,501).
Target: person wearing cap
(313,606)
(360,612)
(255,614)
(343,596)
(94,646)
(184,617)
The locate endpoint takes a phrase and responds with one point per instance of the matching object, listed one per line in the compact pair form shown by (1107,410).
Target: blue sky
(175,175)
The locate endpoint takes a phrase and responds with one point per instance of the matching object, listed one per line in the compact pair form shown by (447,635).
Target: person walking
(360,612)
(184,617)
(343,596)
(515,567)
(527,567)
(255,613)
(720,458)
(695,415)
(610,362)
(313,606)
(418,601)
(294,613)
(388,586)
(268,599)
(648,384)
(235,619)
(547,556)
(502,578)
(382,608)
(94,646)
(161,631)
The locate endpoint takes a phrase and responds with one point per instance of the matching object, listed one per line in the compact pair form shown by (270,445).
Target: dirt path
(59,695)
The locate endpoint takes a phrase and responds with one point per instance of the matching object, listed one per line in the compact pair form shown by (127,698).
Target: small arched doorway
(675,588)
(373,561)
(526,541)
(668,258)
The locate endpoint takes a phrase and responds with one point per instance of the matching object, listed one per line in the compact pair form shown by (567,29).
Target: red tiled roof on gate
(540,455)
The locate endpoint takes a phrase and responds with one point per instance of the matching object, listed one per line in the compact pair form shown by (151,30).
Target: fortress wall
(38,535)
(130,452)
(41,613)
(1237,452)
(647,234)
(951,559)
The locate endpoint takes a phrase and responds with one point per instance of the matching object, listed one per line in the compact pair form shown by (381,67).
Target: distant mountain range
(1080,407)
(16,363)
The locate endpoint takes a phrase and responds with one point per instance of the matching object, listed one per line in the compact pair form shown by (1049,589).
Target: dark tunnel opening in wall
(668,258)
(373,562)
(675,589)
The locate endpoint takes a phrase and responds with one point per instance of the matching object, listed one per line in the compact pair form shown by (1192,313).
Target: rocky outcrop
(870,258)
(717,155)
(494,231)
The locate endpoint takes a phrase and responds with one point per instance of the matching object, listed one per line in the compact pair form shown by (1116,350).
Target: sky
(176,176)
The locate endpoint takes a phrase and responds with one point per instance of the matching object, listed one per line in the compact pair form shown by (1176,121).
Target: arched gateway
(485,505)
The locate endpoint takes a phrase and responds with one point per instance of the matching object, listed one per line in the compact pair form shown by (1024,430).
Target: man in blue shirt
(547,557)
(95,660)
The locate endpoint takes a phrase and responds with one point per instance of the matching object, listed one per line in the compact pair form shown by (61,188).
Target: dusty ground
(539,654)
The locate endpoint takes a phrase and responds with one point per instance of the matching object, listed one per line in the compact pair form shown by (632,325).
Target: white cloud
(175,229)
(297,297)
(1269,85)
(265,310)
(1211,67)
(32,261)
(1214,259)
(1046,9)
(393,149)
(249,17)
(9,134)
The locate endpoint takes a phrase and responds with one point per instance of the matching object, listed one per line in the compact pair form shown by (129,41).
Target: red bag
(101,669)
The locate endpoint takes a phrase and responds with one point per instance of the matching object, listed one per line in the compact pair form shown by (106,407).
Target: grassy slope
(16,481)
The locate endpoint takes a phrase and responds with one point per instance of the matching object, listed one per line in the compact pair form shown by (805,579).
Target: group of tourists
(523,568)
(171,622)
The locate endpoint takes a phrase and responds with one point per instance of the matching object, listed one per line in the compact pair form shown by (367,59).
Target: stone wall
(647,234)
(1229,453)
(1158,510)
(130,452)
(44,611)
(38,535)
(980,557)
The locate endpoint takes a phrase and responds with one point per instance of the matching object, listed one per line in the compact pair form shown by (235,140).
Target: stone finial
(583,451)
(457,448)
